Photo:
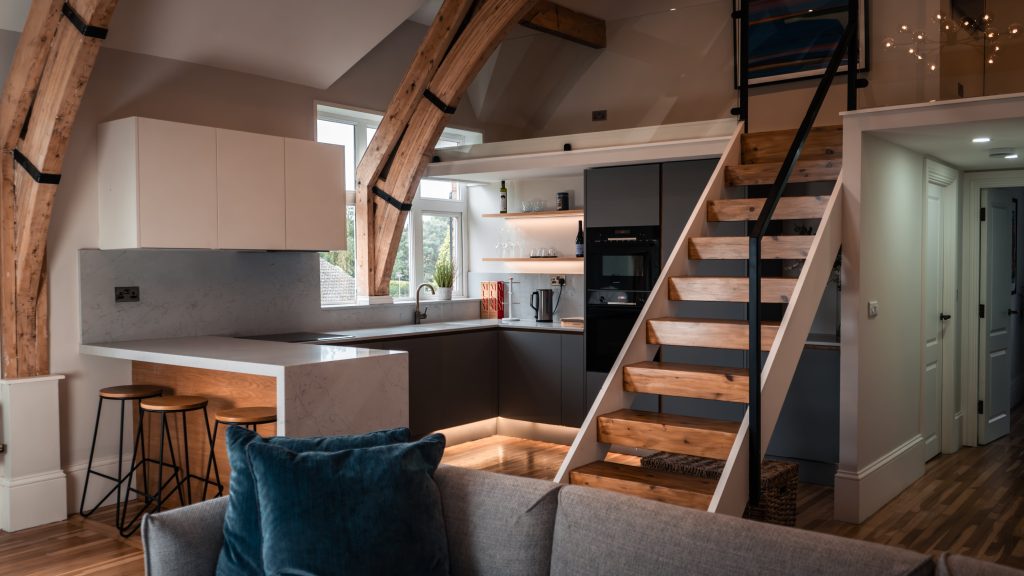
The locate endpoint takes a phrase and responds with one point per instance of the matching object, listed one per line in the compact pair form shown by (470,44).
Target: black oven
(622,266)
(623,258)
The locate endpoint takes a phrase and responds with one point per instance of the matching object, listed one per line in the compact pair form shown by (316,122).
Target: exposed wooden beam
(571,25)
(51,68)
(450,57)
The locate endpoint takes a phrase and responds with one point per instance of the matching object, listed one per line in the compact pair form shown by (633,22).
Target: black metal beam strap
(438,102)
(31,170)
(82,26)
(404,207)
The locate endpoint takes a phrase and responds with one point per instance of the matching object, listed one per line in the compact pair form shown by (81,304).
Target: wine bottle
(504,198)
(579,240)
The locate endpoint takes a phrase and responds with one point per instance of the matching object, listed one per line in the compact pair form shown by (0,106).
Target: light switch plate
(872,308)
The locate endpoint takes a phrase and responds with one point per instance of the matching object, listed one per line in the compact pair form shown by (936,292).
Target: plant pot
(444,293)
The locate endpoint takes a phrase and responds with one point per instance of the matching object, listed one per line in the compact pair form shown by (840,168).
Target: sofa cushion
(952,565)
(362,511)
(184,541)
(241,552)
(497,524)
(600,532)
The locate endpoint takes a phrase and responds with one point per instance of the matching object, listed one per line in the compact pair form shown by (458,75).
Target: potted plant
(444,275)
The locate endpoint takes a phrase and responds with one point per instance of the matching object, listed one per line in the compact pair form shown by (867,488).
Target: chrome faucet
(418,316)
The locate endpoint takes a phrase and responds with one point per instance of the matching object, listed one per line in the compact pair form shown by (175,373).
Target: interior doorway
(993,345)
(940,414)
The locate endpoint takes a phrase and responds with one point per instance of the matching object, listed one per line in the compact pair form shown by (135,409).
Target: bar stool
(166,407)
(250,417)
(124,395)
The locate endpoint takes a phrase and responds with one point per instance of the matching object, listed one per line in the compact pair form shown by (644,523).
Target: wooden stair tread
(765,173)
(687,381)
(728,289)
(738,247)
(707,333)
(668,487)
(823,142)
(669,432)
(749,209)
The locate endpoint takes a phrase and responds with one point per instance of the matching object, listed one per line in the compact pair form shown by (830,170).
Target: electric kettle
(542,303)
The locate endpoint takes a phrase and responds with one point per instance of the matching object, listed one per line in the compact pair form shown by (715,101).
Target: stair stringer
(731,494)
(585,448)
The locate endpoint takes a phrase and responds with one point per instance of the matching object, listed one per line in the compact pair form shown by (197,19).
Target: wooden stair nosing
(687,381)
(668,487)
(726,289)
(738,247)
(823,142)
(668,432)
(749,209)
(765,173)
(707,333)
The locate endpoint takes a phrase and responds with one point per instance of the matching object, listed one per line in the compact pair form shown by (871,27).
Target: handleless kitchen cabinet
(157,184)
(623,196)
(574,385)
(530,376)
(314,195)
(250,191)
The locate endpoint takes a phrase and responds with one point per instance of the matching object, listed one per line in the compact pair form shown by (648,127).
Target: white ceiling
(952,144)
(310,42)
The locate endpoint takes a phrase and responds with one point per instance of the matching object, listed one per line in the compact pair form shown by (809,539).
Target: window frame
(364,120)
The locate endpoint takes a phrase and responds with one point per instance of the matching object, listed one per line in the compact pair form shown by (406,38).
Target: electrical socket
(558,280)
(124,294)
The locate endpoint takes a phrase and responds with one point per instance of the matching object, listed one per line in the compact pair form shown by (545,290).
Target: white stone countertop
(228,354)
(391,332)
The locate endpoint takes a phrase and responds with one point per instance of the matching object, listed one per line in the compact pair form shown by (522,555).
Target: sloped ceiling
(309,42)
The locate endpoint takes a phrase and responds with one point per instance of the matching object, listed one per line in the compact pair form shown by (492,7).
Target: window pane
(345,135)
(440,242)
(400,273)
(439,189)
(444,143)
(338,269)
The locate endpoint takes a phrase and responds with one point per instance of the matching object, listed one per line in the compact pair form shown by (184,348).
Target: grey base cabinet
(540,377)
(452,378)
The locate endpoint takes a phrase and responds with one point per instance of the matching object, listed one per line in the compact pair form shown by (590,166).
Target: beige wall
(964,64)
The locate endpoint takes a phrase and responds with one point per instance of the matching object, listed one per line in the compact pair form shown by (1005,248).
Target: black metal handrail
(848,44)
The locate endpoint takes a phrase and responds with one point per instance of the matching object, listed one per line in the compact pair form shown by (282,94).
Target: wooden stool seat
(248,416)
(173,403)
(130,392)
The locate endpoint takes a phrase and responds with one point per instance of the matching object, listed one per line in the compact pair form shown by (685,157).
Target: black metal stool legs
(119,480)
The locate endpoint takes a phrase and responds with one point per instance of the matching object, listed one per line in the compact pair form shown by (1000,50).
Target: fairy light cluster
(923,46)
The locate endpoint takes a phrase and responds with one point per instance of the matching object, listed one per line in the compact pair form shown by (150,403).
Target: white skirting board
(860,494)
(33,487)
(98,487)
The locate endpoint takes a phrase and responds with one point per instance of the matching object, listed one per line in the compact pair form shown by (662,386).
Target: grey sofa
(498,525)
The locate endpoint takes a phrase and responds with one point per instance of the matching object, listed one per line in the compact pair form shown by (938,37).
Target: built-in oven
(622,266)
(623,258)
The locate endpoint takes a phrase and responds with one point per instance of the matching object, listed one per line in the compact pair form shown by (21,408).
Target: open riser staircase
(749,160)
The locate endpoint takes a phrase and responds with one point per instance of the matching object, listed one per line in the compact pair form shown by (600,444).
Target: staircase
(750,160)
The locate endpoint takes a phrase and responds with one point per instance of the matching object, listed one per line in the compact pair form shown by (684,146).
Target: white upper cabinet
(158,185)
(171,185)
(250,191)
(315,184)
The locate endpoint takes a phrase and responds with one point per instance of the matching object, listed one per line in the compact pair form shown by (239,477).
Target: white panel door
(315,195)
(931,393)
(994,420)
(177,166)
(250,191)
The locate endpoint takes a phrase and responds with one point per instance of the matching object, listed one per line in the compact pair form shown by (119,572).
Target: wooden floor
(971,503)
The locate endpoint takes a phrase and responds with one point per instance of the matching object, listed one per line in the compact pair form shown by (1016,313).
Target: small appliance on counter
(542,302)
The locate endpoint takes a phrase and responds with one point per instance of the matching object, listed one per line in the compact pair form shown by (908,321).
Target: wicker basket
(779,483)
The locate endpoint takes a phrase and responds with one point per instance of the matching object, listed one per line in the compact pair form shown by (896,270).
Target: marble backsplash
(214,292)
(571,303)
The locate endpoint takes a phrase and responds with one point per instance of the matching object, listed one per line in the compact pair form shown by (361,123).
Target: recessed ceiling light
(671,9)
(982,140)
(1012,157)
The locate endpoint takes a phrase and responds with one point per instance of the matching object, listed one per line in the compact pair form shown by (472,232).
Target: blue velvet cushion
(241,554)
(362,511)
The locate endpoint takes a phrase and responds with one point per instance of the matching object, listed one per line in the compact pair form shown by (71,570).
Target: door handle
(944,316)
(1011,312)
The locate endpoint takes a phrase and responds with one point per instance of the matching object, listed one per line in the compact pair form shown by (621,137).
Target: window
(433,229)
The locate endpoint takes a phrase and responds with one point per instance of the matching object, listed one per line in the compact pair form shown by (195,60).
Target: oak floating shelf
(543,214)
(573,259)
